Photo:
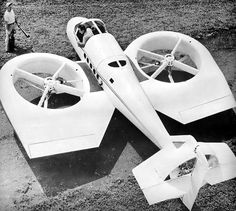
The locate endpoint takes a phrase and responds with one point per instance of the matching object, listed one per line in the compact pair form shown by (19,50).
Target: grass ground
(46,21)
(126,20)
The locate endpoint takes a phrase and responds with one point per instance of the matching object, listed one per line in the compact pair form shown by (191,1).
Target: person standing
(10,22)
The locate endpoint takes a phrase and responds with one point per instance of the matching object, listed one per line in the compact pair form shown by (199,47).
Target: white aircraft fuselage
(115,75)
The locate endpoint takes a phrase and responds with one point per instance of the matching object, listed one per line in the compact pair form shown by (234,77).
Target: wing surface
(44,131)
(190,101)
(205,94)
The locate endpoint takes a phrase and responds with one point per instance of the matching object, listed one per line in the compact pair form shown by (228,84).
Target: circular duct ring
(165,56)
(48,81)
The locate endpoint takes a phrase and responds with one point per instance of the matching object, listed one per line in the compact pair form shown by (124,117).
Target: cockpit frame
(97,26)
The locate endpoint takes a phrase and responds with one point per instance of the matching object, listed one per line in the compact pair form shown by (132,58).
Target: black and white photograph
(118,105)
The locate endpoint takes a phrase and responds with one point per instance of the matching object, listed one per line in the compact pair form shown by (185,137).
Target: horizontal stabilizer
(222,163)
(170,189)
(161,177)
(151,173)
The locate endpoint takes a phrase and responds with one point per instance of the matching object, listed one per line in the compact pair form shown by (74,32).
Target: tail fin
(214,163)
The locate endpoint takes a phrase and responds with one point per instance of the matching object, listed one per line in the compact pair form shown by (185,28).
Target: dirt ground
(101,179)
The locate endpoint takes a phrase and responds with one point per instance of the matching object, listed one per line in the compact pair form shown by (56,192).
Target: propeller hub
(50,82)
(169,58)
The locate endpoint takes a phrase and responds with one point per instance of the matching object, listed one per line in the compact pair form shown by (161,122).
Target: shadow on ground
(61,172)
(22,50)
(214,128)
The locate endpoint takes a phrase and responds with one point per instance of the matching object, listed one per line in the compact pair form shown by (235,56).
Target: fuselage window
(113,64)
(119,63)
(122,63)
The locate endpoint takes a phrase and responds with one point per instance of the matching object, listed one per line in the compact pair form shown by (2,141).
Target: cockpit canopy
(93,26)
(96,25)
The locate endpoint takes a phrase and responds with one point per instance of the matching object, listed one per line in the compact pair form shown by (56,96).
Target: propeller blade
(176,46)
(151,55)
(30,77)
(61,88)
(74,81)
(159,70)
(33,85)
(171,78)
(55,75)
(185,67)
(45,104)
(43,96)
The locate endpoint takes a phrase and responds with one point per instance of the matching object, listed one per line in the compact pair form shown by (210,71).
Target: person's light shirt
(88,33)
(9,17)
